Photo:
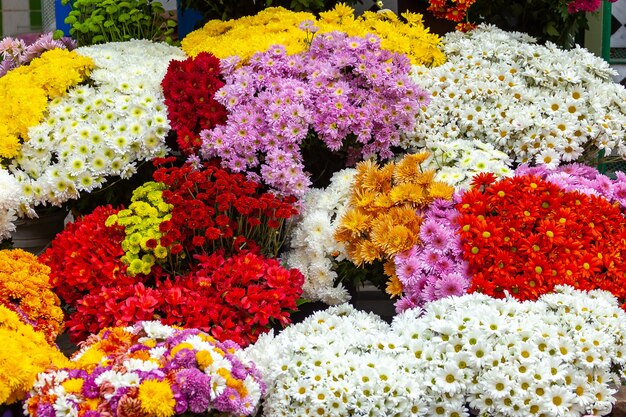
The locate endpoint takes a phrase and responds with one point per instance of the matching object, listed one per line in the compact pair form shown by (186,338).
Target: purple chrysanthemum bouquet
(150,369)
(344,91)
(14,52)
(434,268)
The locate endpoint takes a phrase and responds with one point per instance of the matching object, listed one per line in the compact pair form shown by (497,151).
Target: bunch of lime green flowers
(141,222)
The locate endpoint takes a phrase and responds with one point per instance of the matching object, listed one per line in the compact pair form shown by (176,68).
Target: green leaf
(97,39)
(70,20)
(82,28)
(108,24)
(58,34)
(112,9)
(551,29)
(301,301)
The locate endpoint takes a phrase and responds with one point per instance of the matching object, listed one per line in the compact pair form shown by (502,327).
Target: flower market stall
(233,192)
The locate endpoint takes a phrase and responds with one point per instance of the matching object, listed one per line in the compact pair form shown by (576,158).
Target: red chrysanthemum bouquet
(86,268)
(525,235)
(189,87)
(86,256)
(194,249)
(238,296)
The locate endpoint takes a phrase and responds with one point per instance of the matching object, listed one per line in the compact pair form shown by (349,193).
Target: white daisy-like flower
(157,352)
(558,400)
(218,385)
(510,86)
(66,406)
(139,365)
(496,383)
(449,379)
(156,330)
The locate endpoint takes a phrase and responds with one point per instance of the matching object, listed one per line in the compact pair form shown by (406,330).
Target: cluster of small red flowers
(84,259)
(189,87)
(525,235)
(453,10)
(115,304)
(218,210)
(236,298)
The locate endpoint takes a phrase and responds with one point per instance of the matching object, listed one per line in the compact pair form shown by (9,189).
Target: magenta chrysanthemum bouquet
(434,268)
(149,370)
(344,91)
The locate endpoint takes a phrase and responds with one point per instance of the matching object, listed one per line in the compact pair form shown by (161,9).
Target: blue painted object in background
(60,13)
(187,20)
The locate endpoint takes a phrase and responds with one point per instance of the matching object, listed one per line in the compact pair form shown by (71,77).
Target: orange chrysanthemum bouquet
(24,288)
(383,218)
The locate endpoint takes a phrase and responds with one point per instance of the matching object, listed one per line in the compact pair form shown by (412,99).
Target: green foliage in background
(546,20)
(99,21)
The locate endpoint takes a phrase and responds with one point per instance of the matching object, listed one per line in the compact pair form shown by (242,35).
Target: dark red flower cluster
(189,87)
(525,235)
(218,210)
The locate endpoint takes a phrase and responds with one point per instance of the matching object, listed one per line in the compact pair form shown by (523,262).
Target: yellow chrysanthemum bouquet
(30,319)
(251,34)
(24,354)
(383,218)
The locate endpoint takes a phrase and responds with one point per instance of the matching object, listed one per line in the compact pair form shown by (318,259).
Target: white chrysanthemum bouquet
(539,104)
(562,355)
(10,200)
(313,248)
